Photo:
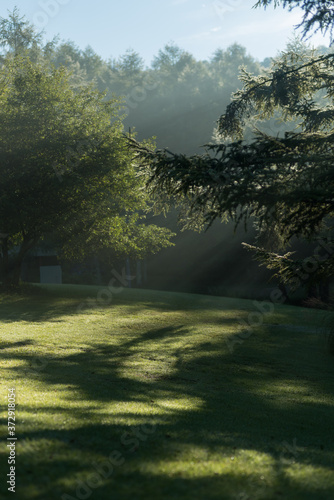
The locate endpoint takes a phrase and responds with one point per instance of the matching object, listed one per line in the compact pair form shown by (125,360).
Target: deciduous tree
(65,169)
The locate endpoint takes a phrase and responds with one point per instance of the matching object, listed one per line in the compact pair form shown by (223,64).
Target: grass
(166,396)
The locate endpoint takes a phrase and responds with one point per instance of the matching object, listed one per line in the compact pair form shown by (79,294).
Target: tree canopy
(283,181)
(265,177)
(65,169)
(176,101)
(17,34)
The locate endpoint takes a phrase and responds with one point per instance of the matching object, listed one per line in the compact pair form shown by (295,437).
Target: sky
(198,26)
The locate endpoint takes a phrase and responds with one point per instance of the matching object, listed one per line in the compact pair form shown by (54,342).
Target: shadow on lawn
(13,345)
(55,303)
(35,309)
(234,410)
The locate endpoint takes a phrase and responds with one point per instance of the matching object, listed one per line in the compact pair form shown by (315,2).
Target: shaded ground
(146,398)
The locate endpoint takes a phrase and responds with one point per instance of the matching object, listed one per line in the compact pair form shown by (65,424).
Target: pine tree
(281,180)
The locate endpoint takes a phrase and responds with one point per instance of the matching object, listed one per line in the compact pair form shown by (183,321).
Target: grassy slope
(255,423)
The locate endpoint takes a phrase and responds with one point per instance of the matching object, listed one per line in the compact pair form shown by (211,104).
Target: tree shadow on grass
(71,300)
(35,309)
(233,409)
(14,345)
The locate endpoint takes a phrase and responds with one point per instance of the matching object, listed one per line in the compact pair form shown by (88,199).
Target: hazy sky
(199,26)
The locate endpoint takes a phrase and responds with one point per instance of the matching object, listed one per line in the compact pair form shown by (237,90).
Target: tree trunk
(283,290)
(312,292)
(324,291)
(11,264)
(12,274)
(11,268)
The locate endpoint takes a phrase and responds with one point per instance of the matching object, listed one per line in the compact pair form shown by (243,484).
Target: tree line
(282,181)
(253,159)
(68,179)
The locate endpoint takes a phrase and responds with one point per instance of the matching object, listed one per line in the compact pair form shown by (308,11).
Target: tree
(17,34)
(131,63)
(283,181)
(172,56)
(65,169)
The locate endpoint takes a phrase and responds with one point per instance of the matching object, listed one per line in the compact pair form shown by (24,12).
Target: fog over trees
(176,101)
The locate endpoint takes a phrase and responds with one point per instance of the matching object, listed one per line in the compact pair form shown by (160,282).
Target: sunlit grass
(146,398)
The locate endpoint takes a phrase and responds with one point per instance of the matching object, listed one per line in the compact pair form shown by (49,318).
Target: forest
(175,103)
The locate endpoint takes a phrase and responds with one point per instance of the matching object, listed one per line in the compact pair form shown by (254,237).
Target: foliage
(17,34)
(175,100)
(65,169)
(285,180)
(294,272)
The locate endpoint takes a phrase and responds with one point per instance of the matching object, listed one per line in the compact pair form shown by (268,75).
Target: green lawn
(154,397)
